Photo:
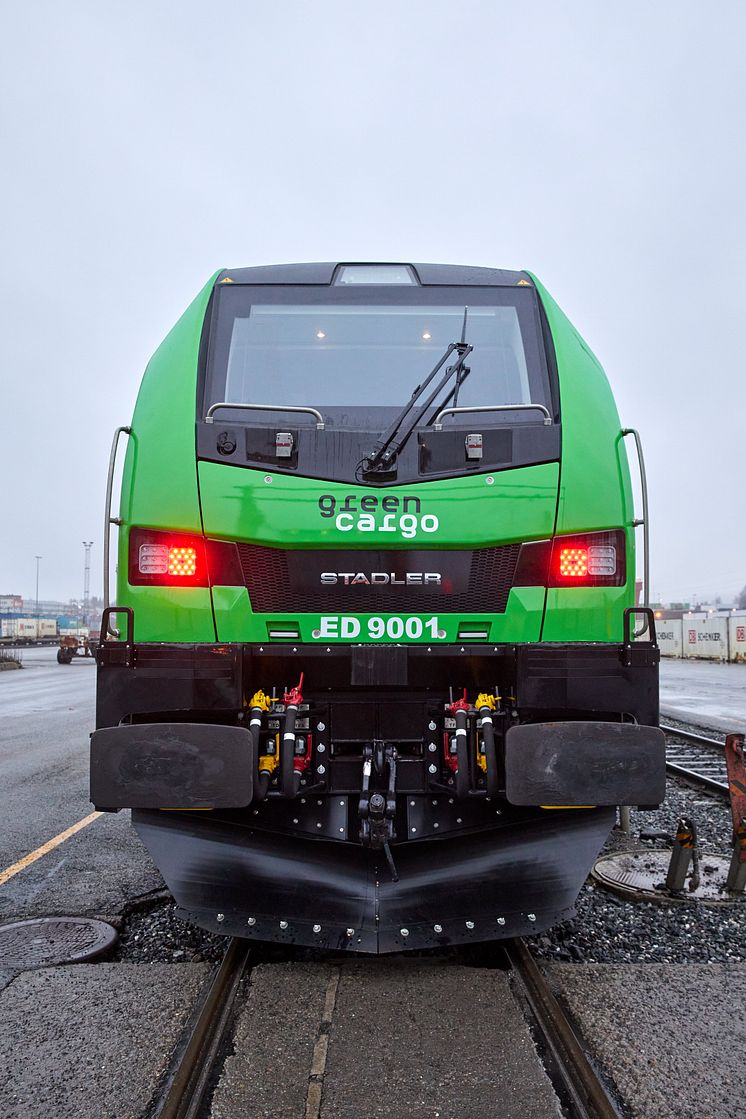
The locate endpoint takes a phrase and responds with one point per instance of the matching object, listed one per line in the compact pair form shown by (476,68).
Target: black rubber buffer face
(172,765)
(575,764)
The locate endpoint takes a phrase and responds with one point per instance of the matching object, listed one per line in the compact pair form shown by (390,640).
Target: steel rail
(583,1086)
(699,739)
(184,1090)
(696,777)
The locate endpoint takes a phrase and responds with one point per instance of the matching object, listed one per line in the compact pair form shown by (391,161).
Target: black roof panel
(435,274)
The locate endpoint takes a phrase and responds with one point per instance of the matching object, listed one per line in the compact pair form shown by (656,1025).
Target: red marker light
(166,559)
(182,562)
(573,563)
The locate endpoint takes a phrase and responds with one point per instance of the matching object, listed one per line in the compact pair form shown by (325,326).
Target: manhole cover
(53,940)
(636,874)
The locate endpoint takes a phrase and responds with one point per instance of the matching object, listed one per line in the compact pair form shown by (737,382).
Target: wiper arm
(382,456)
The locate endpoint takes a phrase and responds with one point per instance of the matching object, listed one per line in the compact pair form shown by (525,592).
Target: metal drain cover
(636,874)
(54,940)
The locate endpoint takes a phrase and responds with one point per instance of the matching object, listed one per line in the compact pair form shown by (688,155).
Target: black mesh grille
(489,575)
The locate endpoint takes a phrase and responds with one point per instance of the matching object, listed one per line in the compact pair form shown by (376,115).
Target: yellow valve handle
(260,700)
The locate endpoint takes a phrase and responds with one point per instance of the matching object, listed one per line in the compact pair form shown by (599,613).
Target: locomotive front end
(375,678)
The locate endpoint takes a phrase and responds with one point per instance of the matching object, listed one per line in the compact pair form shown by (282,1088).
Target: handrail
(644,521)
(265,408)
(438,426)
(108,519)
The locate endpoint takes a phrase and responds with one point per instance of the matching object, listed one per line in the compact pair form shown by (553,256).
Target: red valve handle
(459,704)
(295,695)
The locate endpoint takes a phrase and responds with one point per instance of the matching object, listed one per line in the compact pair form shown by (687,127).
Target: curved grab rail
(209,418)
(644,521)
(109,520)
(437,425)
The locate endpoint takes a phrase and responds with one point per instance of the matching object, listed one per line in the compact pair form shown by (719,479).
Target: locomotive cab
(375,677)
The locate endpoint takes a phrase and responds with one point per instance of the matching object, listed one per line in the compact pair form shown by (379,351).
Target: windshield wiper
(382,457)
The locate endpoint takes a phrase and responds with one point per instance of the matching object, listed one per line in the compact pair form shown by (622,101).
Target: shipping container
(737,637)
(20,629)
(669,635)
(706,638)
(28,629)
(68,621)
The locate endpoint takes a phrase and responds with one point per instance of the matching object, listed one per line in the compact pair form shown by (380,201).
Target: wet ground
(431,1039)
(704,692)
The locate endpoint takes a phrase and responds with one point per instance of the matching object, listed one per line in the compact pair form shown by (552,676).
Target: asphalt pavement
(705,693)
(47,712)
(421,1039)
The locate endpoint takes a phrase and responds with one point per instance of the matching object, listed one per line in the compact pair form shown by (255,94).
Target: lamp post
(87,544)
(38,558)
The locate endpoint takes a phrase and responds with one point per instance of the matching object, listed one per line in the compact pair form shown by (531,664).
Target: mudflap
(575,763)
(231,878)
(172,765)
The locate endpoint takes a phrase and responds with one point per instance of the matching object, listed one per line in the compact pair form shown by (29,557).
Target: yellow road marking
(27,860)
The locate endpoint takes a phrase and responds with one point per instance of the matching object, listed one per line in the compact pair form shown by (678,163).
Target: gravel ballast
(153,933)
(608,929)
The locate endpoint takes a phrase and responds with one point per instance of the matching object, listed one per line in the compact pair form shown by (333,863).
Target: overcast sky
(144,145)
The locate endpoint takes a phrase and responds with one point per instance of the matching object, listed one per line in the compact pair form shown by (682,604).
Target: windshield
(309,347)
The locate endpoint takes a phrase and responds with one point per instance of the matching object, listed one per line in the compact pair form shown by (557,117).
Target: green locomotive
(375,677)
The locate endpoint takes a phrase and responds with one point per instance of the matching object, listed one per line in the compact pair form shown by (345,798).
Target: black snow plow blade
(509,881)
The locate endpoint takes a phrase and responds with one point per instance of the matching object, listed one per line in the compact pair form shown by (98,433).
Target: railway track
(184,1091)
(696,758)
(579,1088)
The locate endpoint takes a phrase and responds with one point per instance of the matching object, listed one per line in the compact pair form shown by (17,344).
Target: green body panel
(586,613)
(159,484)
(521,622)
(163,487)
(171,613)
(595,490)
(473,512)
(159,481)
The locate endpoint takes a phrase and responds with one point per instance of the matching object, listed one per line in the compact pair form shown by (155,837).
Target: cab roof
(447,275)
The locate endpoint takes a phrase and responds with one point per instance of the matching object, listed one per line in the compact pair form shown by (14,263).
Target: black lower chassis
(391,825)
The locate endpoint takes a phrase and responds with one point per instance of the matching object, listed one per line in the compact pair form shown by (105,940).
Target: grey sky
(144,145)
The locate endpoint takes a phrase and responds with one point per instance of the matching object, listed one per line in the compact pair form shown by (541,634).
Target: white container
(706,638)
(669,636)
(20,629)
(47,627)
(737,637)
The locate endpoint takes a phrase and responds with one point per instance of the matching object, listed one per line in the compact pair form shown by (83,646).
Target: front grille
(474,581)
